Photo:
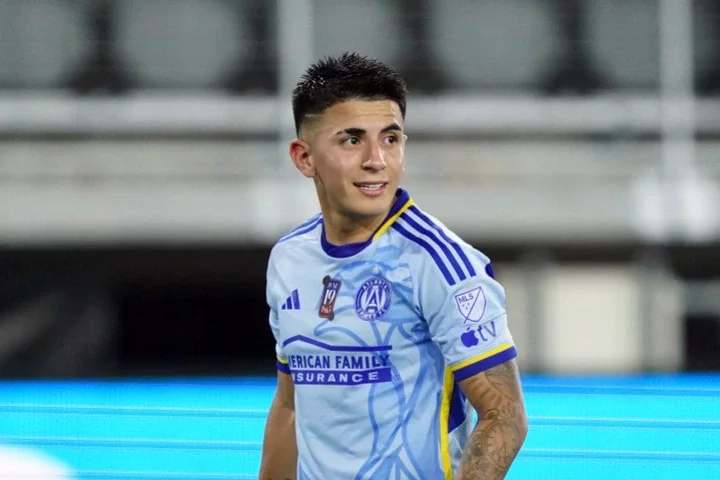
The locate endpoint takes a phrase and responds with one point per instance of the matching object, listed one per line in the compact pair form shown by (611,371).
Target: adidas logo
(292,302)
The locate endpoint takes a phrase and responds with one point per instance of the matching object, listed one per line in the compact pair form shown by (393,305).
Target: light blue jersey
(376,336)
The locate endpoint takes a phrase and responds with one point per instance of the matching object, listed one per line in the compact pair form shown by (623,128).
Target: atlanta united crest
(331,287)
(373,299)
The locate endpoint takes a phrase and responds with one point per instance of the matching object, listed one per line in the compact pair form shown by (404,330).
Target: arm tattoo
(497,438)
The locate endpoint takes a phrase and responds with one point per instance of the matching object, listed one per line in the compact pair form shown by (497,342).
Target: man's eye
(391,139)
(351,141)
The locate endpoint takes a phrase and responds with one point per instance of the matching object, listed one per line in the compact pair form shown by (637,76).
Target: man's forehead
(356,113)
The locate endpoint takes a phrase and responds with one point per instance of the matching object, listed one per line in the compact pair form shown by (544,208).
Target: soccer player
(390,329)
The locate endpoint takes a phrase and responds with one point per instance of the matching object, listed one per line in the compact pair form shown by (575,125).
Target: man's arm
(500,432)
(279,453)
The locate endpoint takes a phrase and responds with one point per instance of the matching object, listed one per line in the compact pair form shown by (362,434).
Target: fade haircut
(350,76)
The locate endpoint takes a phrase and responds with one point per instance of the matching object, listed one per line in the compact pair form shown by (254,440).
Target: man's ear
(300,156)
(405,138)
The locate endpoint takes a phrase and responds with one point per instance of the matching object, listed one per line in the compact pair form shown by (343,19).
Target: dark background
(202,311)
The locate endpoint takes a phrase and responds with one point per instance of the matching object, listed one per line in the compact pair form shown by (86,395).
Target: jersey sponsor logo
(331,287)
(313,377)
(373,299)
(320,363)
(337,369)
(471,304)
(483,333)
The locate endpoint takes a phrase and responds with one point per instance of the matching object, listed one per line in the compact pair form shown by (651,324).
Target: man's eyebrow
(354,131)
(393,126)
(359,132)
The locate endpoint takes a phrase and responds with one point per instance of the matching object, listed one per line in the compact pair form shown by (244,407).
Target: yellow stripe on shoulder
(281,360)
(388,223)
(482,356)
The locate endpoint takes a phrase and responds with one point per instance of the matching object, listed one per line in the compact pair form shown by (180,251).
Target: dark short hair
(350,76)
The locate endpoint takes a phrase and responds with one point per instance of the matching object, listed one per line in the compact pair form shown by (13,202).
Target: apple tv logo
(483,333)
(469,339)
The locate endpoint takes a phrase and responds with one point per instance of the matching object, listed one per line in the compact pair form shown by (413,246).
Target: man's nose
(375,157)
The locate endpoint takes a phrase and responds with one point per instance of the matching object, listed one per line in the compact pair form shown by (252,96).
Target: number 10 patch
(331,287)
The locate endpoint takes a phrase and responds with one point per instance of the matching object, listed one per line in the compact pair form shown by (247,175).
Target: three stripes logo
(450,257)
(292,302)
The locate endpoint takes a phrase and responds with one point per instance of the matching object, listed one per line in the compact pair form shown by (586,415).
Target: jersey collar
(403,201)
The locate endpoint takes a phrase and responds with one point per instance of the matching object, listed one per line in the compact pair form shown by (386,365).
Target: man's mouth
(371,188)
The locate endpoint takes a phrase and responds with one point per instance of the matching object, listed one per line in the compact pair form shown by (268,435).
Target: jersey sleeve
(464,307)
(281,359)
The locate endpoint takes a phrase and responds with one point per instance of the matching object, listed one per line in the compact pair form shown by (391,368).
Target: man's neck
(340,230)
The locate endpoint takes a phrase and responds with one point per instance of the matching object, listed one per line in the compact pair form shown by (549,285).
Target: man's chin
(370,212)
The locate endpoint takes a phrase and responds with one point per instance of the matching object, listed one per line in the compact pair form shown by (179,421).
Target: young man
(389,328)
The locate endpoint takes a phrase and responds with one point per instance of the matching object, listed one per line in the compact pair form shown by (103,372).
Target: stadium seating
(510,45)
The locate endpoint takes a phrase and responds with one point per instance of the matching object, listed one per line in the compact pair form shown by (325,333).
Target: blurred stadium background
(145,177)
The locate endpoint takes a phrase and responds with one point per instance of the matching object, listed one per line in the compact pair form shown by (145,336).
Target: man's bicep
(496,392)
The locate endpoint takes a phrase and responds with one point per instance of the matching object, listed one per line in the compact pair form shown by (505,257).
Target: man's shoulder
(431,244)
(418,230)
(307,230)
